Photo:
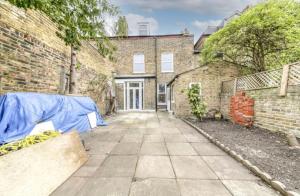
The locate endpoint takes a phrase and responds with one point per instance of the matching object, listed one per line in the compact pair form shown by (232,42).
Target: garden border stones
(278,186)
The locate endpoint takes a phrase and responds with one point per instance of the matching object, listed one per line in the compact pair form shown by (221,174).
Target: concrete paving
(154,154)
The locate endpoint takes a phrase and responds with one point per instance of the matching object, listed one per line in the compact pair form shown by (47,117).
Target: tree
(77,20)
(121,27)
(265,36)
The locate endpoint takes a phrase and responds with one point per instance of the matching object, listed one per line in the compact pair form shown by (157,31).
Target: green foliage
(121,27)
(264,37)
(197,105)
(27,141)
(77,20)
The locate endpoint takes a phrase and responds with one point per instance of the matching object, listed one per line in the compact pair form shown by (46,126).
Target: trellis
(289,75)
(267,79)
(294,74)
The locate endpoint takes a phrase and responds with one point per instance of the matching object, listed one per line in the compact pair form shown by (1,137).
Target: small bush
(197,105)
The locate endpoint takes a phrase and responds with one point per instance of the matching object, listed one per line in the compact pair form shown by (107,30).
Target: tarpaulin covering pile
(21,112)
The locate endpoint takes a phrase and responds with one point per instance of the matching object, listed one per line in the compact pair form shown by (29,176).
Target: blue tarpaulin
(21,112)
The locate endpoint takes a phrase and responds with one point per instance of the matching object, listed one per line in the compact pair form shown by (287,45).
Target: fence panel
(266,79)
(294,74)
(261,80)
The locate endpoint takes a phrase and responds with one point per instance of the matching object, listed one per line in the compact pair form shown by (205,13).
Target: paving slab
(155,187)
(174,138)
(117,166)
(226,168)
(151,148)
(249,188)
(195,137)
(208,149)
(95,160)
(70,187)
(154,138)
(131,148)
(111,137)
(138,138)
(106,187)
(154,167)
(171,130)
(191,167)
(202,188)
(101,148)
(180,149)
(153,131)
(85,171)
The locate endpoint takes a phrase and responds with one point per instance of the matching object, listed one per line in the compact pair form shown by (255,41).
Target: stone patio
(156,154)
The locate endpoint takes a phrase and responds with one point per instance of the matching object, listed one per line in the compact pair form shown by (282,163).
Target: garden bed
(268,151)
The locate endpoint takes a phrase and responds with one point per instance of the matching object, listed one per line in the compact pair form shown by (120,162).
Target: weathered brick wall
(149,94)
(271,111)
(32,57)
(210,77)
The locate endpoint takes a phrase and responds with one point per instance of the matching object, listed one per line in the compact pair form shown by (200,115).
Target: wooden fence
(288,75)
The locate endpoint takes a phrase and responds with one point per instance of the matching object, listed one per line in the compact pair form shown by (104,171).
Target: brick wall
(271,111)
(210,76)
(33,58)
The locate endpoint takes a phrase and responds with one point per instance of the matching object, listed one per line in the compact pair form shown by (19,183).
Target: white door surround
(134,95)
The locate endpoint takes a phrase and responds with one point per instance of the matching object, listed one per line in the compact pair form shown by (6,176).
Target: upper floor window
(167,62)
(138,63)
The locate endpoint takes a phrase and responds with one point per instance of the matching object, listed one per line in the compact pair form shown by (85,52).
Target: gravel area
(268,151)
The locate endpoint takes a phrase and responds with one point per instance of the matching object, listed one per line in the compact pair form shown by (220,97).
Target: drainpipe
(156,64)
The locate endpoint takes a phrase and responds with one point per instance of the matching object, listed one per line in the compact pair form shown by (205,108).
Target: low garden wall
(272,110)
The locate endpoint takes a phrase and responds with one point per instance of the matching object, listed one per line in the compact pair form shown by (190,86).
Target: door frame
(140,88)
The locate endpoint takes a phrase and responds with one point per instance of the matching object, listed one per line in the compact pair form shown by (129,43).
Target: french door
(134,96)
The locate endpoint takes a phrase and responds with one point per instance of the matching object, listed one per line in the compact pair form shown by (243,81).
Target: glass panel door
(131,97)
(134,95)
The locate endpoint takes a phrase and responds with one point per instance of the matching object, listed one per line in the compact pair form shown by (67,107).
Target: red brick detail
(242,109)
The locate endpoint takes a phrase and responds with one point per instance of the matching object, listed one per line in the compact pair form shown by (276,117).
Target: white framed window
(161,94)
(198,84)
(139,63)
(167,62)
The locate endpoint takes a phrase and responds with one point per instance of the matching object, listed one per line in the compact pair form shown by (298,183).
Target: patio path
(157,155)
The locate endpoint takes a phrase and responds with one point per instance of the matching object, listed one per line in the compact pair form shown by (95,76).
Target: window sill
(167,71)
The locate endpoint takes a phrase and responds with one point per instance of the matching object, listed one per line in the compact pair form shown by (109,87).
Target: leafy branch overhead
(265,36)
(77,20)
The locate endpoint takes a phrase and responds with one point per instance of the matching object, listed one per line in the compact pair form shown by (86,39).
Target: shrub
(197,104)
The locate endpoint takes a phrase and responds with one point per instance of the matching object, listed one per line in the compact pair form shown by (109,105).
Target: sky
(173,16)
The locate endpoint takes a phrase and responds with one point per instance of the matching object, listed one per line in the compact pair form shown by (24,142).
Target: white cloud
(202,25)
(109,24)
(133,19)
(213,7)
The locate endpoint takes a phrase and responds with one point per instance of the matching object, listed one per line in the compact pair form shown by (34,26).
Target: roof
(176,76)
(151,36)
(208,31)
(212,29)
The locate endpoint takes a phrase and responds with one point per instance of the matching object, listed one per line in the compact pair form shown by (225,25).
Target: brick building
(153,73)
(145,64)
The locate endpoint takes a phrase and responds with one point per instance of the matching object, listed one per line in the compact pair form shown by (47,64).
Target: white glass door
(134,95)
